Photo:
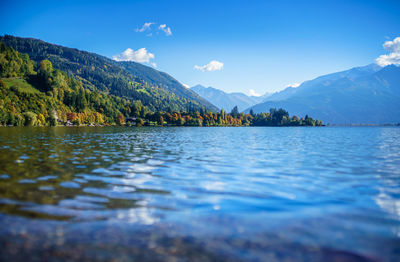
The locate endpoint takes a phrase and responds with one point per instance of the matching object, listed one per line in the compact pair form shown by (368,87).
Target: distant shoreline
(364,125)
(329,125)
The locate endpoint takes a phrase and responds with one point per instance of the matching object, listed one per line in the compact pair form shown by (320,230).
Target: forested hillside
(33,94)
(160,79)
(157,90)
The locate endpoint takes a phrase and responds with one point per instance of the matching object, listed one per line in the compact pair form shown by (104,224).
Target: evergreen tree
(235,111)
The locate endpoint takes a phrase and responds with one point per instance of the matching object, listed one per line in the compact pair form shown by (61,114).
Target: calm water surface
(200,194)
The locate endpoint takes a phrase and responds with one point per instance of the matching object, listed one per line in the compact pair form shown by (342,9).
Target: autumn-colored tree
(99,118)
(120,119)
(71,116)
(41,120)
(139,122)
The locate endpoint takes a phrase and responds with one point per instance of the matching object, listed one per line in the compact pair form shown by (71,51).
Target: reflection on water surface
(304,194)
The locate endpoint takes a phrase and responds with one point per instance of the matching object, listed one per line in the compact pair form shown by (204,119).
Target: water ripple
(335,188)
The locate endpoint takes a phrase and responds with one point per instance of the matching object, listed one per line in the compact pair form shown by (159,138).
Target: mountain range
(227,101)
(157,90)
(361,95)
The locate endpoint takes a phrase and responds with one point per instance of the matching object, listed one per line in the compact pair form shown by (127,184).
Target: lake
(200,194)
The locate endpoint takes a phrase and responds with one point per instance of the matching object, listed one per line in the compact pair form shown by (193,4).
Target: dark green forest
(37,94)
(133,81)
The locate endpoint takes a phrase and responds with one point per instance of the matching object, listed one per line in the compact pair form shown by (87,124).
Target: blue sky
(263,45)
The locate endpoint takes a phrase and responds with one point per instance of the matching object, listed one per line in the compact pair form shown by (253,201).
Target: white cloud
(253,93)
(394,56)
(167,30)
(294,85)
(212,66)
(393,46)
(185,85)
(146,26)
(141,55)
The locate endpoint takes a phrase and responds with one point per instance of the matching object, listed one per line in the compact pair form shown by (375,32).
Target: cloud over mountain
(252,92)
(141,56)
(212,66)
(293,85)
(394,56)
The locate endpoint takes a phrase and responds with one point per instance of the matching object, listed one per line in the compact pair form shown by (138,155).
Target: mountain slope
(155,89)
(41,95)
(227,101)
(362,95)
(160,79)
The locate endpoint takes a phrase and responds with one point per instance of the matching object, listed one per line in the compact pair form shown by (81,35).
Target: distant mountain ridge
(361,95)
(157,90)
(225,100)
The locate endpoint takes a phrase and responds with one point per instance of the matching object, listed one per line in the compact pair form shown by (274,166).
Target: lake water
(200,194)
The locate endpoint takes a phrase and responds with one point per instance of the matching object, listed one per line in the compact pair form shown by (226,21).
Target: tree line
(275,117)
(128,80)
(38,95)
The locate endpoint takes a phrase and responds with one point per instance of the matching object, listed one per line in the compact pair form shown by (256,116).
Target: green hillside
(132,81)
(41,95)
(156,78)
(37,94)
